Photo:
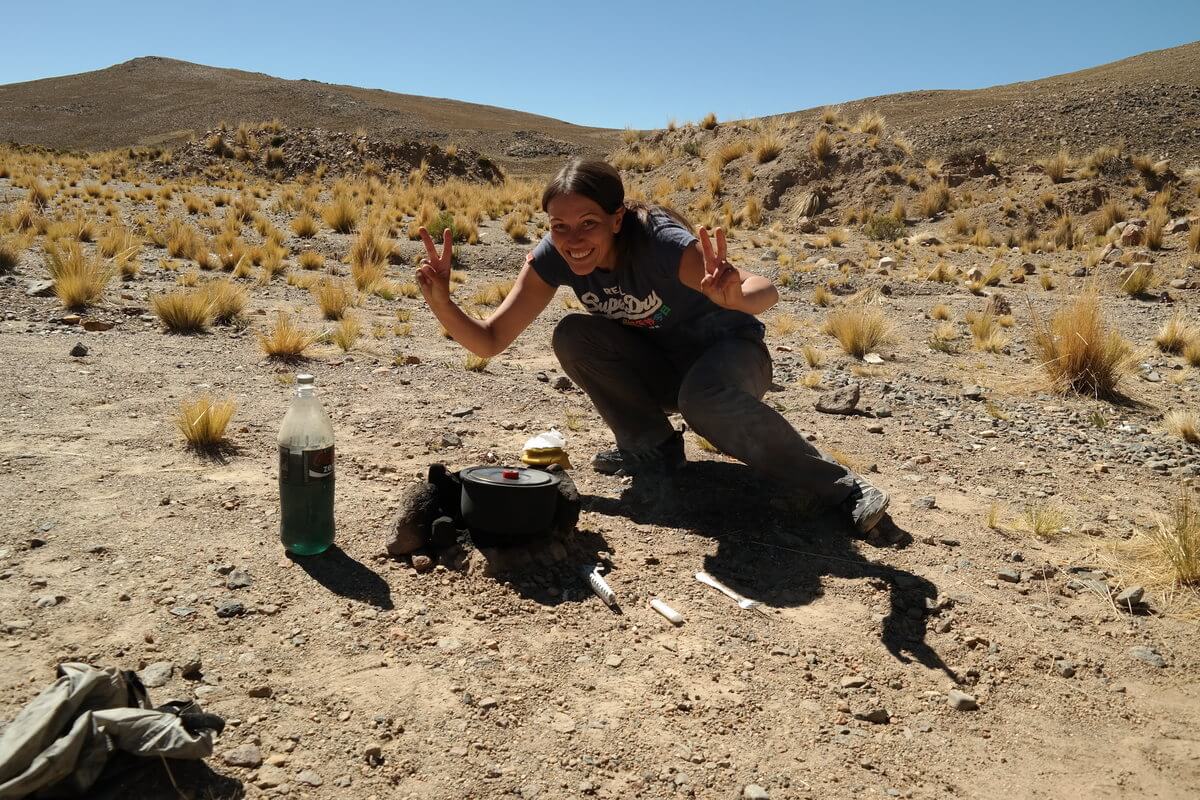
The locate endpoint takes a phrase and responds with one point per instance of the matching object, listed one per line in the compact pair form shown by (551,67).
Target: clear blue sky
(610,64)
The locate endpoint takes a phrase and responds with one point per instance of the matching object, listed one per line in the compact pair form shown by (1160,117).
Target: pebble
(238,579)
(49,600)
(230,608)
(839,401)
(1064,668)
(308,778)
(244,755)
(451,440)
(853,682)
(1009,575)
(927,502)
(261,690)
(961,701)
(157,674)
(422,563)
(876,715)
(563,383)
(755,792)
(1131,596)
(1147,655)
(462,412)
(79,350)
(614,661)
(269,777)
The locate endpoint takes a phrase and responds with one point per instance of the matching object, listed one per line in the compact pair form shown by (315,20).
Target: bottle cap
(304,378)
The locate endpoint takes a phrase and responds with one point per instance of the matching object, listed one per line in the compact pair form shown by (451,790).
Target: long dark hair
(600,182)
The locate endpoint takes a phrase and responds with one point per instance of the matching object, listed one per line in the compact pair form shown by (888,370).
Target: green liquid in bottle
(306,500)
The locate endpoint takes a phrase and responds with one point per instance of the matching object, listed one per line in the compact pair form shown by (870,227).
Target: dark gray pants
(718,389)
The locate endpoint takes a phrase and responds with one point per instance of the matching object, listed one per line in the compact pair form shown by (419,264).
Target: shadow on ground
(339,573)
(135,778)
(775,554)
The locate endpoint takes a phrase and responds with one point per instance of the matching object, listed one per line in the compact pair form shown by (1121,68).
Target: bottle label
(305,467)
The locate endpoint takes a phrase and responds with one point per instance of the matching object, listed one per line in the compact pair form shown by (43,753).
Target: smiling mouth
(580,255)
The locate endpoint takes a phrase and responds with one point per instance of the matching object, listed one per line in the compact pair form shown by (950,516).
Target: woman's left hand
(722,283)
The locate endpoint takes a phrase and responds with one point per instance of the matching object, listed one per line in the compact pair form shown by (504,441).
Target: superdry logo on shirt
(644,313)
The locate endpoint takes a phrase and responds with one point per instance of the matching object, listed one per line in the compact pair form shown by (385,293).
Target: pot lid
(508,476)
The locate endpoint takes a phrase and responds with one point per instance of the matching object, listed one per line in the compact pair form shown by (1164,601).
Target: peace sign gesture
(722,283)
(433,276)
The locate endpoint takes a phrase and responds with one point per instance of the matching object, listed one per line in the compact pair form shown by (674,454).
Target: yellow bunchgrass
(1043,520)
(304,225)
(821,296)
(1166,558)
(368,258)
(203,421)
(820,147)
(1056,166)
(310,259)
(1108,215)
(1175,335)
(934,200)
(1184,424)
(183,311)
(475,363)
(783,324)
(10,254)
(285,339)
(1078,350)
(333,298)
(341,213)
(346,334)
(1191,354)
(812,356)
(767,147)
(226,300)
(79,281)
(986,332)
(1138,279)
(859,329)
(941,312)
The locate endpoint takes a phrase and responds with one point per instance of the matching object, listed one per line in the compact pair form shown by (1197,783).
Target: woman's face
(583,233)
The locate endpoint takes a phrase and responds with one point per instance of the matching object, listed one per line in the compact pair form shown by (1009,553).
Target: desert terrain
(1025,625)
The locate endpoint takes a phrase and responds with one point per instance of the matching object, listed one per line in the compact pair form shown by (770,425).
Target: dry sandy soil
(352,676)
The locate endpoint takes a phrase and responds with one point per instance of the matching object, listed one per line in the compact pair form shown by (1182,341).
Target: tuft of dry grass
(226,300)
(79,281)
(1194,238)
(333,298)
(1056,166)
(987,333)
(1184,424)
(812,356)
(1191,354)
(1043,520)
(10,255)
(1167,557)
(1108,215)
(475,363)
(709,122)
(940,312)
(783,324)
(369,257)
(183,311)
(1078,350)
(305,225)
(310,259)
(341,213)
(346,334)
(859,329)
(203,421)
(1137,279)
(934,200)
(821,296)
(285,339)
(493,294)
(870,123)
(1175,335)
(820,147)
(767,147)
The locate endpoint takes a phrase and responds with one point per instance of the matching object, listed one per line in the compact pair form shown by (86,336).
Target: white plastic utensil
(671,614)
(591,574)
(743,602)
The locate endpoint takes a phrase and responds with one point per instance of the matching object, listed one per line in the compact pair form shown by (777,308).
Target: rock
(928,502)
(157,674)
(1132,235)
(972,392)
(230,608)
(79,350)
(997,305)
(39,289)
(269,777)
(1177,225)
(262,690)
(1064,668)
(853,682)
(974,274)
(562,723)
(97,325)
(244,755)
(1131,596)
(1009,575)
(887,262)
(49,600)
(451,440)
(614,661)
(308,778)
(563,383)
(422,563)
(1147,655)
(839,401)
(1180,283)
(191,667)
(876,715)
(411,528)
(873,358)
(926,239)
(238,579)
(462,412)
(961,701)
(755,792)
(183,612)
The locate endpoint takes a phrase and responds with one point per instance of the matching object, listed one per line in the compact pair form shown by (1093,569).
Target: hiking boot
(866,505)
(667,457)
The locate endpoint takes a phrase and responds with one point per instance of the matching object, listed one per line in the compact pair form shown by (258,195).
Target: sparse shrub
(783,324)
(305,225)
(346,334)
(1105,158)
(934,200)
(822,296)
(709,122)
(752,213)
(870,123)
(821,146)
(983,236)
(203,421)
(10,255)
(1046,281)
(767,147)
(1194,237)
(1175,335)
(1191,354)
(1184,424)
(183,311)
(1108,215)
(226,300)
(986,332)
(341,214)
(940,312)
(333,298)
(1167,557)
(1078,350)
(311,259)
(1056,166)
(285,339)
(1137,279)
(942,273)
(883,228)
(79,281)
(859,329)
(514,226)
(1043,520)
(493,294)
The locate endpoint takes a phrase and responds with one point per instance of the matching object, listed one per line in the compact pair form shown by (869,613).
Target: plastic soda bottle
(306,473)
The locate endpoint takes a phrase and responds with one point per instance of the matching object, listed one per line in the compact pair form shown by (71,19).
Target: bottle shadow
(344,576)
(778,553)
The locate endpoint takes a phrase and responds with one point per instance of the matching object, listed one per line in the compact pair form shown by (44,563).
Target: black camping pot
(509,501)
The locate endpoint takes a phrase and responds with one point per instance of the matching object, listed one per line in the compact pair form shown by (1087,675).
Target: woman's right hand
(433,276)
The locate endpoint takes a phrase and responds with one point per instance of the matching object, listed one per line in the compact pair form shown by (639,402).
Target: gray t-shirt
(648,295)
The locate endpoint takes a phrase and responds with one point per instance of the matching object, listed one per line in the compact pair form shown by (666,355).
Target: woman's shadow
(777,552)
